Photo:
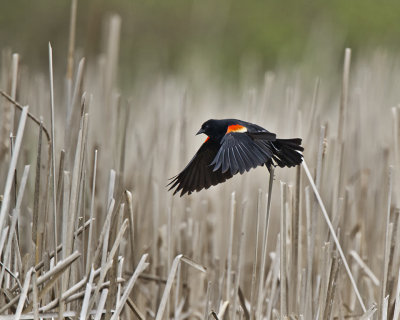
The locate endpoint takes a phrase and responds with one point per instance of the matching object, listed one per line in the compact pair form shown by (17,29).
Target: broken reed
(104,238)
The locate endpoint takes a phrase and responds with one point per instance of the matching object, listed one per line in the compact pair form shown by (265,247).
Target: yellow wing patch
(236,128)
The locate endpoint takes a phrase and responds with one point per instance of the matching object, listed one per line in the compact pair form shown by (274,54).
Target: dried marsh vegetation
(88,230)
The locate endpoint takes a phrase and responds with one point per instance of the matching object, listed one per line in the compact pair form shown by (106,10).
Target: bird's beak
(200,131)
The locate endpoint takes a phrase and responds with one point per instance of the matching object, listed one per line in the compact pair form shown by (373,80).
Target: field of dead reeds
(88,229)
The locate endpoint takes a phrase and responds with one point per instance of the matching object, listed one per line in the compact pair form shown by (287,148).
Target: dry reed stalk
(60,179)
(112,48)
(239,255)
(14,220)
(370,312)
(365,268)
(385,308)
(13,89)
(320,163)
(23,294)
(139,269)
(296,244)
(108,264)
(100,242)
(119,275)
(337,218)
(313,111)
(60,246)
(396,313)
(35,300)
(103,273)
(264,247)
(129,200)
(339,248)
(72,100)
(42,239)
(11,169)
(324,262)
(254,271)
(71,38)
(341,126)
(47,315)
(73,296)
(32,117)
(71,50)
(7,112)
(100,305)
(393,261)
(193,264)
(313,219)
(74,194)
(345,93)
(177,306)
(168,286)
(77,88)
(208,295)
(331,287)
(125,115)
(53,155)
(17,260)
(118,239)
(37,187)
(53,273)
(170,249)
(230,246)
(88,290)
(396,142)
(275,277)
(302,291)
(307,308)
(106,241)
(155,226)
(317,290)
(283,264)
(170,280)
(386,246)
(58,268)
(50,306)
(66,204)
(222,310)
(242,299)
(89,241)
(355,268)
(112,295)
(77,286)
(10,117)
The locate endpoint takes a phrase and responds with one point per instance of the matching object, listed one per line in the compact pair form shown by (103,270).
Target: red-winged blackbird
(234,146)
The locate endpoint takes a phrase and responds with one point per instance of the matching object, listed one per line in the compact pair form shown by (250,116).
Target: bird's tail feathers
(287,152)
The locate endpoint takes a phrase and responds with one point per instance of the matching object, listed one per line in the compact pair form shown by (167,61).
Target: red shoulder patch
(236,128)
(208,138)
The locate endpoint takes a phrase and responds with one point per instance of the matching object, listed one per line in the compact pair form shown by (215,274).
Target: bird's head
(213,129)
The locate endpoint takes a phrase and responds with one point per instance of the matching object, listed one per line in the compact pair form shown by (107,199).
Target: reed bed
(88,229)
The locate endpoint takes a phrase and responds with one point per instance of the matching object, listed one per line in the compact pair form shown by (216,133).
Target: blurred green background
(159,35)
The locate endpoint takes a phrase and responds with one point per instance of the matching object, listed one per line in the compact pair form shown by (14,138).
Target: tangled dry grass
(89,230)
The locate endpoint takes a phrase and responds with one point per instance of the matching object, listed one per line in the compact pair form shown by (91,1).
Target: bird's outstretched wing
(242,150)
(198,174)
(239,153)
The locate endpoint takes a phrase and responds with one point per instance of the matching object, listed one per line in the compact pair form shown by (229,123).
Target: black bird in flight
(234,146)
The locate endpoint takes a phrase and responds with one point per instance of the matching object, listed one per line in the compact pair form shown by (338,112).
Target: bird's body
(234,146)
